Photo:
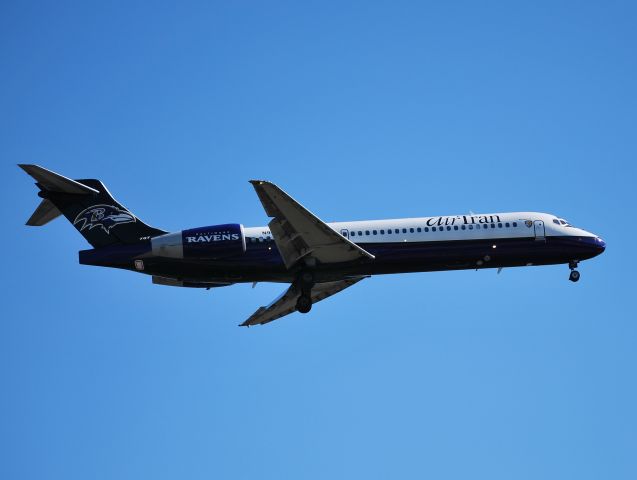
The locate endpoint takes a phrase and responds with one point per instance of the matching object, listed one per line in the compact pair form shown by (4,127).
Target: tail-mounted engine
(214,242)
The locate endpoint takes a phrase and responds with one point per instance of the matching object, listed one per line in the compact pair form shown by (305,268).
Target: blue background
(359,110)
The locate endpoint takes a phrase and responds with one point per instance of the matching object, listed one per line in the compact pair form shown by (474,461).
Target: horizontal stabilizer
(45,212)
(54,182)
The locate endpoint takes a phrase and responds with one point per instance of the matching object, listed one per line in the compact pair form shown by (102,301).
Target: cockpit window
(561,221)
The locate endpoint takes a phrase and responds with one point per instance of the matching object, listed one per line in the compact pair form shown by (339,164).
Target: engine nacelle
(214,242)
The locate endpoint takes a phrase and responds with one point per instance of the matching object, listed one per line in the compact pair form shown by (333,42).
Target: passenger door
(540,233)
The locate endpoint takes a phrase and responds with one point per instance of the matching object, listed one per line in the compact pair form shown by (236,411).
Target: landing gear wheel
(574,276)
(304,304)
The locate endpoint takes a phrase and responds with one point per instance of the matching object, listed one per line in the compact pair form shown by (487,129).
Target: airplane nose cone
(592,246)
(601,244)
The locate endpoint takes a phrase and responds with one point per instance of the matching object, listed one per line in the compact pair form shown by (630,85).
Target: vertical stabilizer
(90,208)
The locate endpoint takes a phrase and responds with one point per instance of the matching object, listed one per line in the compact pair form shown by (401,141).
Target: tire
(574,276)
(304,304)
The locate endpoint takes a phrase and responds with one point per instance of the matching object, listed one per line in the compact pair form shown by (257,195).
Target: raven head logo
(105,216)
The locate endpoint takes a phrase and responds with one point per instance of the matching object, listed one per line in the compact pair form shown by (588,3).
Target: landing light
(494,246)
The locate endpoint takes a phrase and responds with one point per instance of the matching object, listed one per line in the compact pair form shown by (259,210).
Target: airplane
(316,258)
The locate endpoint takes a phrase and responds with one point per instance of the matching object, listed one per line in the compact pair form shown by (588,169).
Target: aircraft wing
(286,303)
(299,233)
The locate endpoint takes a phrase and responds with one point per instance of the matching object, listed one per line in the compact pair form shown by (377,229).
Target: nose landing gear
(574,276)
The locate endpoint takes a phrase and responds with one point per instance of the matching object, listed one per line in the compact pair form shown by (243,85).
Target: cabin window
(507,225)
(411,230)
(455,227)
(470,227)
(448,228)
(353,234)
(375,232)
(366,232)
(404,230)
(419,229)
(493,225)
(515,224)
(382,232)
(396,230)
(463,227)
(426,229)
(433,229)
(389,231)
(360,234)
(499,225)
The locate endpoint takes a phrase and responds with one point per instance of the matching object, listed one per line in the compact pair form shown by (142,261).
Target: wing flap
(290,243)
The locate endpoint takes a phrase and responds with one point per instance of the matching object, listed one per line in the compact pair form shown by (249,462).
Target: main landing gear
(305,283)
(574,276)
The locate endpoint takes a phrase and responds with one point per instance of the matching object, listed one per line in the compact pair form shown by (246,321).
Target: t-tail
(89,206)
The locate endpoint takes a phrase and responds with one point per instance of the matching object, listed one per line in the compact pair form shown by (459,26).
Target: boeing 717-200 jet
(316,258)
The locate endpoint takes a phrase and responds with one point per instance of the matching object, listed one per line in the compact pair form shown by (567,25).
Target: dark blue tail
(89,206)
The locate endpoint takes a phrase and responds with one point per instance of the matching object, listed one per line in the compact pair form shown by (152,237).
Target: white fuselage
(446,228)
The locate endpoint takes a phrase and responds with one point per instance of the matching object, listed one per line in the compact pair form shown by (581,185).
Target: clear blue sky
(360,110)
